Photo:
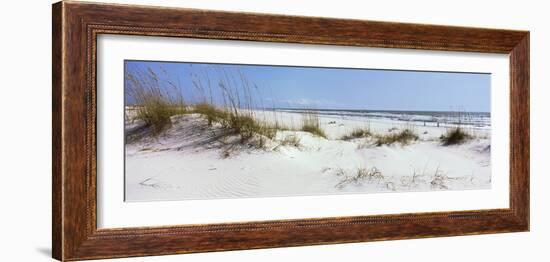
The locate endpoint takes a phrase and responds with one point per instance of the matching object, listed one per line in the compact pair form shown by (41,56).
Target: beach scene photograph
(199,131)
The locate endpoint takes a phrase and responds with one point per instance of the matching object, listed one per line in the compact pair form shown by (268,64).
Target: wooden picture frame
(76,26)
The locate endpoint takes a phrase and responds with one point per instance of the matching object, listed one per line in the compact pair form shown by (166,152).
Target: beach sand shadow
(188,132)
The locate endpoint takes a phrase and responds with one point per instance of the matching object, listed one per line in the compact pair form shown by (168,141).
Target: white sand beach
(192,160)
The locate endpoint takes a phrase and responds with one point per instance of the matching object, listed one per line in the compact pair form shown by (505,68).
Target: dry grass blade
(154,104)
(291,140)
(311,124)
(362,174)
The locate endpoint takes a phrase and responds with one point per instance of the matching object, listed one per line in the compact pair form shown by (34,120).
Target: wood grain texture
(519,129)
(76,26)
(57,192)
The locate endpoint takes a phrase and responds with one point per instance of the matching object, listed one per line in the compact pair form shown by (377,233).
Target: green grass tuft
(315,130)
(157,113)
(211,113)
(455,136)
(357,133)
(238,122)
(404,137)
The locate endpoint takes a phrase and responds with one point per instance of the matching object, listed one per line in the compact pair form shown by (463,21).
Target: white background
(25,106)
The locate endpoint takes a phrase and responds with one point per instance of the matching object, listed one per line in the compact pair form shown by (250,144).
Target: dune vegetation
(155,104)
(311,124)
(357,133)
(232,102)
(403,137)
(455,136)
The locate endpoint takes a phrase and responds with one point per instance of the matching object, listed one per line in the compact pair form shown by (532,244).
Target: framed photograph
(182,130)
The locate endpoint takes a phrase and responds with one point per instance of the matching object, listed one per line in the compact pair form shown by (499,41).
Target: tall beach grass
(154,104)
(311,124)
(230,103)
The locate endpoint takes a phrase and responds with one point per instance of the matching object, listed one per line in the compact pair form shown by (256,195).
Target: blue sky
(335,88)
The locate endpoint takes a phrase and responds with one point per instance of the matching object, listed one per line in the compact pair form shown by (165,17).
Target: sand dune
(192,160)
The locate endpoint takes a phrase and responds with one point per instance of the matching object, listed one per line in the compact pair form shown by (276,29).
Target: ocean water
(476,120)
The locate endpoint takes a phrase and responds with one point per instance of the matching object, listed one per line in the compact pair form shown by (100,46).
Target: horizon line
(355,109)
(380,110)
